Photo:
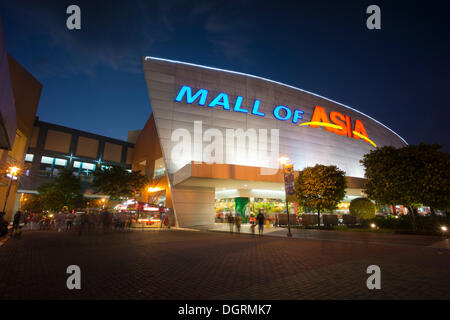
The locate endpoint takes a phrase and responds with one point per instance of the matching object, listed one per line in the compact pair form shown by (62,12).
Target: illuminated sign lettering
(340,125)
(336,123)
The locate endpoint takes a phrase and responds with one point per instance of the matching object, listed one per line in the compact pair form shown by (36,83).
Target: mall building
(215,136)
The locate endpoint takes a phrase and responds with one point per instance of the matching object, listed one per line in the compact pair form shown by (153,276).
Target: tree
(32,203)
(320,187)
(118,183)
(362,208)
(410,176)
(63,191)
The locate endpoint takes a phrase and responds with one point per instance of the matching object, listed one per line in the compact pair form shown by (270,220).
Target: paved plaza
(184,264)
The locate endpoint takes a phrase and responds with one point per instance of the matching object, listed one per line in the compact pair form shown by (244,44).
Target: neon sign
(340,124)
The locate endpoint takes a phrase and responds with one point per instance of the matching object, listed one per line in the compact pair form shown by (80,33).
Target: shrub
(425,224)
(362,208)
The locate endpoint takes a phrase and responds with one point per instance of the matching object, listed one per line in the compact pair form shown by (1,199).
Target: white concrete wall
(193,206)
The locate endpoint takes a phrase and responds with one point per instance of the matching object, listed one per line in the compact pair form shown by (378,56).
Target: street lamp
(12,173)
(284,161)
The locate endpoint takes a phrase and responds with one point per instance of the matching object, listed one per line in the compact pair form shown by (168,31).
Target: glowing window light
(268,191)
(227,191)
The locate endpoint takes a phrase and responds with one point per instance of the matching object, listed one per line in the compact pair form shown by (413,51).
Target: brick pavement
(206,265)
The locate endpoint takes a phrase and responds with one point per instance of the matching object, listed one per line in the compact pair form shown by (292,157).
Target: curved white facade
(224,100)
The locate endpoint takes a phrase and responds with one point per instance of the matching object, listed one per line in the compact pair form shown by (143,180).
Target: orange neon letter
(338,119)
(319,115)
(348,121)
(359,127)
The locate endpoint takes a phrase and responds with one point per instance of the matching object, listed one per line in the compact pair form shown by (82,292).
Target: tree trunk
(413,218)
(318,219)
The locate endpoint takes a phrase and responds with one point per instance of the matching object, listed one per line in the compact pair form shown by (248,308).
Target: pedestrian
(84,220)
(260,220)
(3,224)
(16,223)
(230,221)
(59,221)
(237,221)
(25,219)
(105,221)
(166,221)
(69,221)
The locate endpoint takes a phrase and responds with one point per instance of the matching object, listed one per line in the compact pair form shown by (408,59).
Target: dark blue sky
(93,80)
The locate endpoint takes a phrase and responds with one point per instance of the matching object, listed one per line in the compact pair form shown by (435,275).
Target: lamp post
(13,173)
(284,161)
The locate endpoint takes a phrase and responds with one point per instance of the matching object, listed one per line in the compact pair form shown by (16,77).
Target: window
(46,160)
(60,162)
(84,165)
(29,157)
(160,168)
(88,166)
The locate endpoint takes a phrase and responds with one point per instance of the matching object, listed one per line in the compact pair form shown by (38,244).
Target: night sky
(93,80)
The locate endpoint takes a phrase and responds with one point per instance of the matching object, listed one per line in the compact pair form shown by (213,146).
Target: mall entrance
(248,208)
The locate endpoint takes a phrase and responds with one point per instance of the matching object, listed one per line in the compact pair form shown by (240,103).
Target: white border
(280,83)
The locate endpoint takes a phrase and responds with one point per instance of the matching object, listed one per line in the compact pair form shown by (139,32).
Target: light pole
(284,161)
(12,173)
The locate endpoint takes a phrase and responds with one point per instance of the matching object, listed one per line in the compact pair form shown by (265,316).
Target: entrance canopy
(232,181)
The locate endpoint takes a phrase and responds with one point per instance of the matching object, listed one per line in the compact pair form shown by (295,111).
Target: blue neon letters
(185,90)
(222,100)
(217,101)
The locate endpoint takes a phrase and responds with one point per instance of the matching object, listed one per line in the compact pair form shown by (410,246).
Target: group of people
(235,222)
(104,221)
(61,221)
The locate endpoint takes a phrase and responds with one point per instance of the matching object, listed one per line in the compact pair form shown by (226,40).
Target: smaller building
(54,147)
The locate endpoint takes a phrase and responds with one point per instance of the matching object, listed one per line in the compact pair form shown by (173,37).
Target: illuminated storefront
(214,137)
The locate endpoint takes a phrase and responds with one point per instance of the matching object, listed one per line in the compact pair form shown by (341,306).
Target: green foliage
(118,183)
(64,190)
(362,208)
(425,224)
(409,176)
(320,187)
(32,203)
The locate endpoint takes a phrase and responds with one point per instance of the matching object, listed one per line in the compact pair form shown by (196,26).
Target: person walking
(68,221)
(16,223)
(237,221)
(166,221)
(3,224)
(59,221)
(230,221)
(260,220)
(84,220)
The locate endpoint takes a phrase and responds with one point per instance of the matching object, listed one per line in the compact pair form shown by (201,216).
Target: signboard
(336,122)
(289,184)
